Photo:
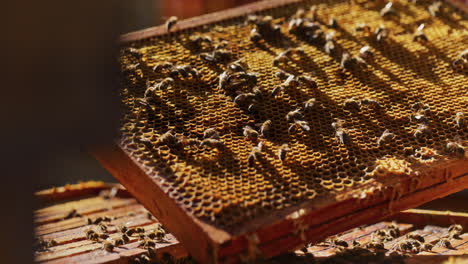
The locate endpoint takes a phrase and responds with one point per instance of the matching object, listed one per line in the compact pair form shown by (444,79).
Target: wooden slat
(74,248)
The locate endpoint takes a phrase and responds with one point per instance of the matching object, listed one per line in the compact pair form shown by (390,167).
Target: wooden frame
(291,227)
(89,197)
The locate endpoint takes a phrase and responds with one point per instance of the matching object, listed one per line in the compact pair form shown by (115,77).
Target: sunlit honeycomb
(221,186)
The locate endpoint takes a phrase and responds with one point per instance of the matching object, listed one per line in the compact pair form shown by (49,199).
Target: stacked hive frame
(225,208)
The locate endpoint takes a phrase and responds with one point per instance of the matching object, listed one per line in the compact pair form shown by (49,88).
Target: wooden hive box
(225,207)
(96,199)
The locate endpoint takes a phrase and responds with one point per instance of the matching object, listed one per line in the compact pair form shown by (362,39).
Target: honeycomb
(220,185)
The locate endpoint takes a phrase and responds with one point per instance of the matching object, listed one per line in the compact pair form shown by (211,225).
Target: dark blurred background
(58,79)
(73,164)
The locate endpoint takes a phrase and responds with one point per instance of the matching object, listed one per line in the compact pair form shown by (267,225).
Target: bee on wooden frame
(170,23)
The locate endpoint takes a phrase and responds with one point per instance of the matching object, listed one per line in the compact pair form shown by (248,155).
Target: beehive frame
(278,230)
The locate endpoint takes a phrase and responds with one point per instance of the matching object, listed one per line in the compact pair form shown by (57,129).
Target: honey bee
(151,253)
(338,124)
(375,245)
(144,259)
(108,246)
(281,58)
(282,75)
(455,228)
(304,125)
(283,151)
(330,36)
(249,79)
(427,247)
(419,34)
(118,242)
(329,47)
(445,242)
(415,237)
(238,66)
(346,61)
(294,51)
(103,227)
(147,243)
(418,106)
(434,8)
(455,148)
(213,143)
(264,25)
(460,120)
(386,137)
(365,52)
(184,141)
(381,33)
(199,40)
(242,98)
(216,56)
(257,93)
(73,213)
(89,233)
(351,104)
(265,128)
(123,228)
(422,130)
(161,67)
(128,69)
(309,104)
(387,10)
(252,108)
(339,242)
(294,115)
(255,154)
(300,13)
(140,229)
(371,102)
(223,80)
(286,55)
(332,23)
(211,133)
(103,236)
(362,27)
(44,245)
(250,133)
(125,238)
(276,90)
(463,54)
(167,139)
(134,52)
(170,23)
(290,82)
(183,71)
(461,62)
(130,232)
(164,84)
(342,136)
(255,36)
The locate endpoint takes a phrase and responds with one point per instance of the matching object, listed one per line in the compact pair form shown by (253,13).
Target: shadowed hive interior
(219,185)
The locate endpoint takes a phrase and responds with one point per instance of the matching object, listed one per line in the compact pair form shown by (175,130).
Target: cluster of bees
(421,116)
(461,62)
(43,245)
(412,243)
(100,233)
(415,243)
(241,85)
